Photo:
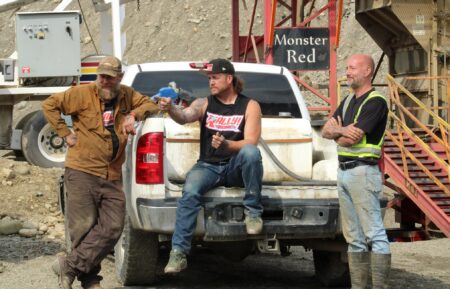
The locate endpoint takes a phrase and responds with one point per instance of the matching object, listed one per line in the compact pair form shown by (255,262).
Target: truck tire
(20,124)
(136,256)
(41,145)
(331,271)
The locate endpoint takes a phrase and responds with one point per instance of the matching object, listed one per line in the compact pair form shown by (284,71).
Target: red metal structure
(412,169)
(417,165)
(248,47)
(425,184)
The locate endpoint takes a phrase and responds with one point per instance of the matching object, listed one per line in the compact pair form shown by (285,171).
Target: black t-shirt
(108,123)
(228,120)
(372,119)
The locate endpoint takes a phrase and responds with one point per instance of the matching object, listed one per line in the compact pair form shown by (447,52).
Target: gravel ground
(25,263)
(422,265)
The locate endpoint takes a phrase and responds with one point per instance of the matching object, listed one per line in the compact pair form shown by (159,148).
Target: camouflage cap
(110,65)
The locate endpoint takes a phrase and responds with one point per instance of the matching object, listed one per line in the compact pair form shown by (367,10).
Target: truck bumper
(223,219)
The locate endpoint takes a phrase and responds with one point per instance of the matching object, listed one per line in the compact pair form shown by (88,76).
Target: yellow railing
(407,154)
(399,115)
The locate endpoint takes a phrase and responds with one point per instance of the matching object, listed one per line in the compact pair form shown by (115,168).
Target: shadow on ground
(269,272)
(16,249)
(208,270)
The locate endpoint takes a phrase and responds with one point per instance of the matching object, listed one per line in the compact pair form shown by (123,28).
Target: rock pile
(29,197)
(52,227)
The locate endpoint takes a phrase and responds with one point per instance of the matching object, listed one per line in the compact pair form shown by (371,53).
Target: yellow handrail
(444,127)
(439,140)
(441,121)
(419,164)
(421,142)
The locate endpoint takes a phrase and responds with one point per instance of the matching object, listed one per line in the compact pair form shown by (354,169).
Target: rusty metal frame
(245,47)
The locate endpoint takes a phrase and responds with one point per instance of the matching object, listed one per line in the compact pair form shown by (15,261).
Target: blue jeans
(243,170)
(359,192)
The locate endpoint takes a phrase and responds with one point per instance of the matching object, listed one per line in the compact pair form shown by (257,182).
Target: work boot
(253,225)
(358,263)
(91,280)
(66,276)
(381,266)
(177,262)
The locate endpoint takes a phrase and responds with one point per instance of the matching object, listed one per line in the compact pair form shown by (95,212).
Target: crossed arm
(342,135)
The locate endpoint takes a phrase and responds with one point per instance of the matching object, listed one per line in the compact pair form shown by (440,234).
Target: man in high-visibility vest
(357,126)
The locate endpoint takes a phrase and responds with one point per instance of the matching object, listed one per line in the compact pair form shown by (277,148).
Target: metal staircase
(416,163)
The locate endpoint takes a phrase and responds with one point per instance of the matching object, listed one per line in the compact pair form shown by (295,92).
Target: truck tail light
(149,159)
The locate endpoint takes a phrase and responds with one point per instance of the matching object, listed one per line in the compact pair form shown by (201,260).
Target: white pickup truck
(299,190)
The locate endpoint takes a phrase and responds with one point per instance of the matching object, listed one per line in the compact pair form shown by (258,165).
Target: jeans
(243,170)
(359,192)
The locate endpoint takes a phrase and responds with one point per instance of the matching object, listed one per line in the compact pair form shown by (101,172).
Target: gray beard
(107,94)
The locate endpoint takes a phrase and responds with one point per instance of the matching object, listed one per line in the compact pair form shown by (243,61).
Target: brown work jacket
(93,150)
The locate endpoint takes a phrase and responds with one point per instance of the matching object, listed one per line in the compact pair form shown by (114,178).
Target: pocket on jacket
(90,120)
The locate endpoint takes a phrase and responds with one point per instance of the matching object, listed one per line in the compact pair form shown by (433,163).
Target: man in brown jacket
(103,114)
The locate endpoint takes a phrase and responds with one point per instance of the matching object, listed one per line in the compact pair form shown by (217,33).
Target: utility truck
(33,77)
(48,60)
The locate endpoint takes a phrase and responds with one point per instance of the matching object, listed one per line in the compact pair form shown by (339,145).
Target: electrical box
(48,43)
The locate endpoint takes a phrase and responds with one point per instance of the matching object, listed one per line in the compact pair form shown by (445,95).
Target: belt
(352,164)
(222,163)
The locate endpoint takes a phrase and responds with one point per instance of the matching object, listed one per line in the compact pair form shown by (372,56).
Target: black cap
(220,65)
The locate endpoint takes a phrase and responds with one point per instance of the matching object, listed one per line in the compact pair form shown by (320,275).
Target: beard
(355,84)
(108,94)
(219,91)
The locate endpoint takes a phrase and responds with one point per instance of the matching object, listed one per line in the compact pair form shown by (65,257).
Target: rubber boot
(381,266)
(358,263)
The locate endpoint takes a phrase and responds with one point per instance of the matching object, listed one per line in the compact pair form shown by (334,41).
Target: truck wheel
(20,124)
(330,269)
(41,145)
(136,256)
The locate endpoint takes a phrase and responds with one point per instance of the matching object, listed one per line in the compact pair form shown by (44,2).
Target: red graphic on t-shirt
(223,122)
(108,118)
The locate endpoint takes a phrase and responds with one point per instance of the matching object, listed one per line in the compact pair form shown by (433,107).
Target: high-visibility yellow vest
(361,149)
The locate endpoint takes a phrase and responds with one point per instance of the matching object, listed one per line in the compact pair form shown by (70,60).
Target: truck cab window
(272,91)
